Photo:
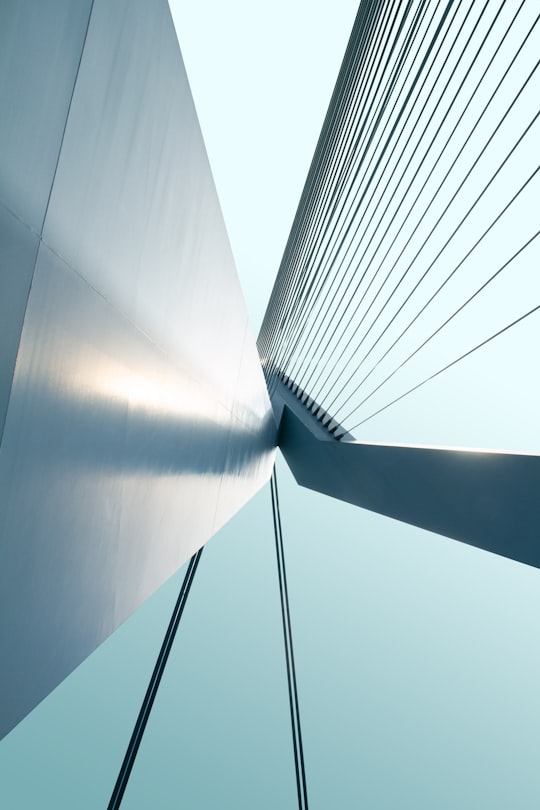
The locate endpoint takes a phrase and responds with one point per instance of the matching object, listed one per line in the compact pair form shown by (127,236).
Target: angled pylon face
(134,411)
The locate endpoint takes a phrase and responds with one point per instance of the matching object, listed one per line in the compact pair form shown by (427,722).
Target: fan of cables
(415,242)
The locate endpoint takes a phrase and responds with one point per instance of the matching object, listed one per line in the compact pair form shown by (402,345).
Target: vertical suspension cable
(299,767)
(153,686)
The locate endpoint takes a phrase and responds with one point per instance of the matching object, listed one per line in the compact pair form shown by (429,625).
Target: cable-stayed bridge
(414,249)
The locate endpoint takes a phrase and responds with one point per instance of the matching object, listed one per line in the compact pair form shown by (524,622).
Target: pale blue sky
(418,658)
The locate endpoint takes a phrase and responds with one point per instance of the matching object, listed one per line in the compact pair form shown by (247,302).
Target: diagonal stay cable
(340,203)
(329,198)
(446,243)
(300,771)
(448,365)
(343,235)
(363,39)
(362,88)
(350,93)
(280,290)
(340,222)
(362,158)
(405,219)
(440,186)
(349,276)
(153,686)
(456,312)
(355,54)
(331,325)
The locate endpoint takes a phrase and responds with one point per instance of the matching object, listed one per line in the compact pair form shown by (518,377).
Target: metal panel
(139,419)
(40,49)
(114,468)
(134,207)
(18,251)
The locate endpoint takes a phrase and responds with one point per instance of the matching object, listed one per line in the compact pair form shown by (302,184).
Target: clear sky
(418,658)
